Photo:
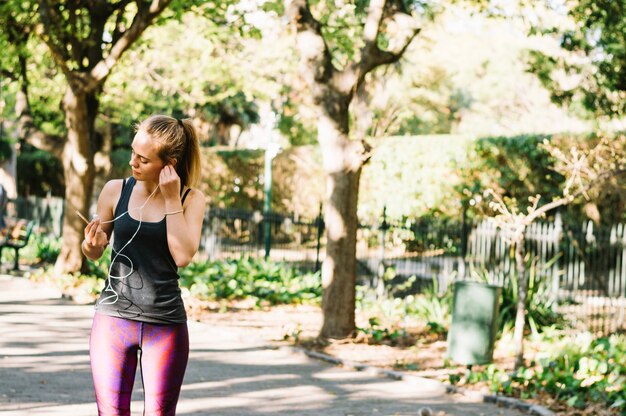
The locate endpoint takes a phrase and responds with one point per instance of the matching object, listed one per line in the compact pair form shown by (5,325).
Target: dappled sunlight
(395,390)
(304,398)
(79,361)
(327,271)
(254,356)
(232,370)
(210,385)
(50,408)
(335,223)
(200,404)
(360,160)
(331,374)
(284,397)
(41,341)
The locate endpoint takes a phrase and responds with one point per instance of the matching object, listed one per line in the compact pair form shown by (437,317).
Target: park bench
(16,237)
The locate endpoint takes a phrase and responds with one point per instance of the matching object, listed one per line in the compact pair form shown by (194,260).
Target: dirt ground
(299,325)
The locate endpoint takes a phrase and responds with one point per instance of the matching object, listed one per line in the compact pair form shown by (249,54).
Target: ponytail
(191,155)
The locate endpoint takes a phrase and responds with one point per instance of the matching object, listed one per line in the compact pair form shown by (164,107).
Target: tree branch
(8,74)
(25,125)
(117,31)
(49,21)
(143,18)
(372,56)
(77,45)
(316,62)
(373,22)
(389,13)
(567,199)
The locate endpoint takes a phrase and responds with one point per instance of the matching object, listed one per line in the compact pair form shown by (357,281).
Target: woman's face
(144,160)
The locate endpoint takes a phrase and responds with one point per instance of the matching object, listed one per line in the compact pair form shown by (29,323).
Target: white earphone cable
(114,297)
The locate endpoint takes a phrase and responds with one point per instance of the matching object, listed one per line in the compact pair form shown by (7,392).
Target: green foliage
(21,51)
(6,149)
(378,334)
(521,167)
(434,233)
(292,123)
(41,248)
(16,18)
(263,281)
(210,62)
(389,317)
(540,302)
(99,269)
(576,371)
(463,75)
(342,25)
(385,317)
(593,52)
(412,177)
(295,169)
(515,167)
(47,248)
(232,178)
(432,307)
(40,172)
(433,104)
(236,109)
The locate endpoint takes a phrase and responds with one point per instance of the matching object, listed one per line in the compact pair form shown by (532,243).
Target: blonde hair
(176,139)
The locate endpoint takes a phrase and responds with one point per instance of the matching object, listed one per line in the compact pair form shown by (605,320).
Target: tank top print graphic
(149,292)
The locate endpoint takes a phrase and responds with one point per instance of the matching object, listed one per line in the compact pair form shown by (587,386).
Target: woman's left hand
(169,183)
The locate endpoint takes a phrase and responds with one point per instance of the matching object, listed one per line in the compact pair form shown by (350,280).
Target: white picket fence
(584,269)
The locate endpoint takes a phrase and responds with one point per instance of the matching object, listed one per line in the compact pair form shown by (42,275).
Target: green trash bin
(472,333)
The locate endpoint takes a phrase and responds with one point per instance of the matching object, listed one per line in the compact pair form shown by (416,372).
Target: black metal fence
(231,233)
(582,266)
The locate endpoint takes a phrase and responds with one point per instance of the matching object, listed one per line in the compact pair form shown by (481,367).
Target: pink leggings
(115,347)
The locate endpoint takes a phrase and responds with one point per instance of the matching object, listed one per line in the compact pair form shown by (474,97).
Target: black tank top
(150,293)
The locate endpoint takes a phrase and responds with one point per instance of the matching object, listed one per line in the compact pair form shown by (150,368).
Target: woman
(156,218)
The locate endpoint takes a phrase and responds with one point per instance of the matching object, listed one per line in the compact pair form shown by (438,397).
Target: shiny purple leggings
(115,347)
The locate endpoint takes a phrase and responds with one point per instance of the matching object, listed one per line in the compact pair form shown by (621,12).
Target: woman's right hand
(95,237)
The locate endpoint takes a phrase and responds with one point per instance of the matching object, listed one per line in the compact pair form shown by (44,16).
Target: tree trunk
(522,292)
(343,160)
(332,90)
(79,171)
(221,133)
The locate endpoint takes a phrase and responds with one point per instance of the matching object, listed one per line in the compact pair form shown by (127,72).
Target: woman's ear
(172,162)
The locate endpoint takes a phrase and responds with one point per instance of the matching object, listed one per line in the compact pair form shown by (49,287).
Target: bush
(433,308)
(41,248)
(576,371)
(250,278)
(396,320)
(540,302)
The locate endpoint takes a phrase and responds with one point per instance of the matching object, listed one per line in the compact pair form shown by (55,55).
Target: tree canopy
(589,69)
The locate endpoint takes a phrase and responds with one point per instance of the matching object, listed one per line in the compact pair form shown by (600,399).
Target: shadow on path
(45,371)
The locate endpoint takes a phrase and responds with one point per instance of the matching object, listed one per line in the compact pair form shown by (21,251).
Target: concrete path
(44,370)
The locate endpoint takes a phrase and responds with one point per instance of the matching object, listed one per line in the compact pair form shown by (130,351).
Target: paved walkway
(44,370)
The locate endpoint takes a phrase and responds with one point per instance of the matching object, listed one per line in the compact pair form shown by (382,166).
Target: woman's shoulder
(114,186)
(193,194)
